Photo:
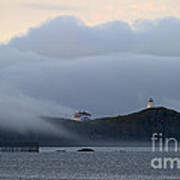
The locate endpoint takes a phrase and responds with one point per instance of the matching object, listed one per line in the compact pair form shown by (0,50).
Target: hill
(137,126)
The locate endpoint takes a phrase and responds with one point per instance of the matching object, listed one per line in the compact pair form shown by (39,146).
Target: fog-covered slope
(137,126)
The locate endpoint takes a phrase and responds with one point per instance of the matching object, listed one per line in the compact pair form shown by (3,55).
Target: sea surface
(109,163)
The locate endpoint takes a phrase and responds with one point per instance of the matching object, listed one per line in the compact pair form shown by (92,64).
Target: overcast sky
(64,64)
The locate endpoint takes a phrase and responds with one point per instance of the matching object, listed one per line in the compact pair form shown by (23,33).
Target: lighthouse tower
(150,103)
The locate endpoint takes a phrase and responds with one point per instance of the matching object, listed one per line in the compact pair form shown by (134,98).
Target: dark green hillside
(142,124)
(137,126)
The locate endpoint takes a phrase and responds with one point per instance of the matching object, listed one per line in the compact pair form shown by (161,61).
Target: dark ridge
(108,131)
(138,126)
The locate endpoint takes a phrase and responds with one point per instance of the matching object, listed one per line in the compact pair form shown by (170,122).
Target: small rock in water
(86,150)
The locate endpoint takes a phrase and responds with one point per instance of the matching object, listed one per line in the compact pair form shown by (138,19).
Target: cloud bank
(69,37)
(64,66)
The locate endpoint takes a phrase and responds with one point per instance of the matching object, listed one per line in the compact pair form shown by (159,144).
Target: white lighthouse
(150,103)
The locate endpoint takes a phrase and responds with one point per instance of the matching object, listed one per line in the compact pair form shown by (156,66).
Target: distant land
(108,131)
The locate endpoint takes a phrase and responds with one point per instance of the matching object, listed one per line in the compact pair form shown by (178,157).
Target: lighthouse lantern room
(150,103)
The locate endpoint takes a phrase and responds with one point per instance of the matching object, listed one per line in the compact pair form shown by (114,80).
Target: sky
(106,57)
(17,16)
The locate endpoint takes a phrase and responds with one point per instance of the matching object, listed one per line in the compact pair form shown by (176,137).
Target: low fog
(64,66)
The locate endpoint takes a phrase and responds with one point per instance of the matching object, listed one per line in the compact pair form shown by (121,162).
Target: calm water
(104,163)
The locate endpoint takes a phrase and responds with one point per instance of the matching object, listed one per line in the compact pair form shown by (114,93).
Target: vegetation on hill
(137,126)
